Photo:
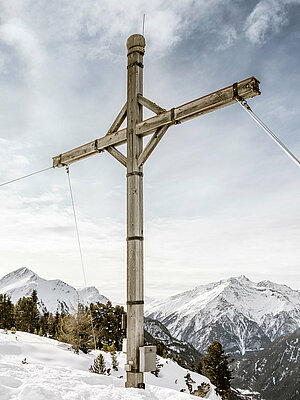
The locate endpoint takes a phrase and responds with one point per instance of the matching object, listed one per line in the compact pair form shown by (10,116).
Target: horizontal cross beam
(247,88)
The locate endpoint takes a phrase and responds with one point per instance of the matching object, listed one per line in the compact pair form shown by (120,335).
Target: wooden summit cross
(137,155)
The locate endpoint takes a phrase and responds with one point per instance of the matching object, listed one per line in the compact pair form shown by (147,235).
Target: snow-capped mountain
(54,295)
(241,314)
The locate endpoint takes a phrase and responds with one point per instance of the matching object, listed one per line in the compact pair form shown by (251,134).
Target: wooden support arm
(150,105)
(117,155)
(119,120)
(247,88)
(211,102)
(153,142)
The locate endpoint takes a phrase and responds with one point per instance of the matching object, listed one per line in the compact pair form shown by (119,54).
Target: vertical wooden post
(135,258)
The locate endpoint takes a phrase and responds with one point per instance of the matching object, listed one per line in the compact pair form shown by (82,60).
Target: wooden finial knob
(136,42)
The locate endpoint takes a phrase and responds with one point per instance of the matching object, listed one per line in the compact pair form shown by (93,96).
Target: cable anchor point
(239,98)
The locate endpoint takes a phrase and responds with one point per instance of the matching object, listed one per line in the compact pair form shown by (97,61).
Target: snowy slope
(55,295)
(241,314)
(54,372)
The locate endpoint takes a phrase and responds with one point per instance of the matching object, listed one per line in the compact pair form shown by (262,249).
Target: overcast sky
(221,199)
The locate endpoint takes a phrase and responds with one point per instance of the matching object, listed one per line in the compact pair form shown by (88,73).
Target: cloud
(228,36)
(267,18)
(63,81)
(200,248)
(17,34)
(12,161)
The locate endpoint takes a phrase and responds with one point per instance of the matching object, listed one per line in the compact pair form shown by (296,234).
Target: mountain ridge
(54,294)
(241,314)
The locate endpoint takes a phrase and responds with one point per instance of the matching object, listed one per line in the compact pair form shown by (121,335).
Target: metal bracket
(134,302)
(139,64)
(135,238)
(134,173)
(236,95)
(174,121)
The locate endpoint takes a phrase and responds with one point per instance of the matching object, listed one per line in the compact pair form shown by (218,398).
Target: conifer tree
(114,361)
(192,366)
(6,312)
(105,346)
(26,314)
(199,367)
(216,368)
(189,381)
(51,325)
(76,330)
(34,297)
(44,324)
(107,323)
(99,365)
(161,349)
(158,367)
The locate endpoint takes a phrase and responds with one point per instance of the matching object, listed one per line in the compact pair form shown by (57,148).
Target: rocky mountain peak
(242,314)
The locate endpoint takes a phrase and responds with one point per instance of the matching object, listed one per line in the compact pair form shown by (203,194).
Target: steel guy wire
(79,245)
(243,103)
(25,176)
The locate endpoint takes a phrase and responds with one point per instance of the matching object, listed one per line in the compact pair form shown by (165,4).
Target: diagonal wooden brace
(119,120)
(150,105)
(117,155)
(153,142)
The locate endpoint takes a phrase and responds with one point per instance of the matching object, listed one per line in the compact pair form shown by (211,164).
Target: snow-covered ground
(54,372)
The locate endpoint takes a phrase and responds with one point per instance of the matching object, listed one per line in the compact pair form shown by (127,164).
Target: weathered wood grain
(153,142)
(150,105)
(119,120)
(117,155)
(247,88)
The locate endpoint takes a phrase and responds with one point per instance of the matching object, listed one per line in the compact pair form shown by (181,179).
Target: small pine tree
(192,366)
(189,381)
(76,330)
(216,368)
(99,365)
(114,361)
(26,314)
(105,347)
(34,297)
(161,349)
(7,319)
(158,367)
(199,367)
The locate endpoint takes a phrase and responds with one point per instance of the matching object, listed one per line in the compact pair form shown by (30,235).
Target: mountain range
(54,295)
(257,322)
(241,314)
